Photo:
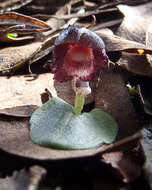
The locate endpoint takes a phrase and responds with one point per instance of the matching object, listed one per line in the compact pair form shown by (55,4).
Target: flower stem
(79,102)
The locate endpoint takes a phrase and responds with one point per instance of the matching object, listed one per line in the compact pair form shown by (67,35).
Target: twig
(36,175)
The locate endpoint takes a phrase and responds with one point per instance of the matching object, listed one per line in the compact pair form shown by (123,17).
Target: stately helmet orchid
(78,55)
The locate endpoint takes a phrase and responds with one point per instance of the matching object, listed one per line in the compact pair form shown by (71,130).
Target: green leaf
(56,126)
(12,35)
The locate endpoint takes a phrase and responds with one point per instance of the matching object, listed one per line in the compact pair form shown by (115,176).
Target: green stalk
(79,103)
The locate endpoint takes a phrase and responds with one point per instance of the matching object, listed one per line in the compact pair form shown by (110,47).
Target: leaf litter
(24,179)
(114,40)
(136,30)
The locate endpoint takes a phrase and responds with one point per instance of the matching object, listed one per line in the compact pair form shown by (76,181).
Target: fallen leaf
(7,5)
(126,165)
(19,111)
(146,143)
(12,58)
(30,24)
(19,180)
(149,42)
(57,24)
(135,29)
(115,100)
(18,91)
(15,139)
(137,64)
(116,43)
(23,179)
(19,24)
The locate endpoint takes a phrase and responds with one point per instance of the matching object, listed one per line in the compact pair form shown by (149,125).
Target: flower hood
(78,54)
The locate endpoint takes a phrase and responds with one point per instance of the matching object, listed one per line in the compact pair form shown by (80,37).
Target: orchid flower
(78,55)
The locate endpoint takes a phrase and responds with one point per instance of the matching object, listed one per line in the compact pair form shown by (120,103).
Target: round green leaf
(56,126)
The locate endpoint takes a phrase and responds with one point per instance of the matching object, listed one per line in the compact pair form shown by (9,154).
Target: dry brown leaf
(12,58)
(58,24)
(18,91)
(15,139)
(116,43)
(19,180)
(136,21)
(134,27)
(126,165)
(146,143)
(112,97)
(19,111)
(115,99)
(12,22)
(10,5)
(23,179)
(30,24)
(149,42)
(136,64)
